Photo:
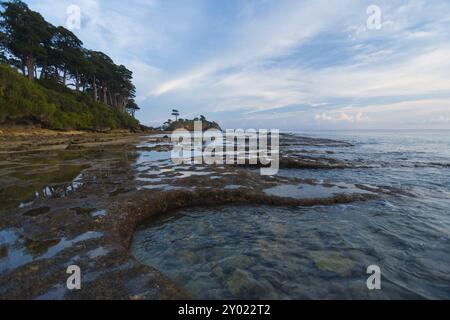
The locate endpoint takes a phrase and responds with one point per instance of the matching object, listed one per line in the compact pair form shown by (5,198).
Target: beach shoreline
(21,139)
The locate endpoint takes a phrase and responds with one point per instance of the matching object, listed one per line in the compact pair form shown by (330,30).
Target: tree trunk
(123,104)
(43,70)
(64,75)
(77,82)
(30,67)
(95,90)
(105,97)
(111,99)
(120,105)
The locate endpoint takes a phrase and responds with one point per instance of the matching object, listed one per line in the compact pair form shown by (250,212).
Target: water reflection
(24,184)
(21,250)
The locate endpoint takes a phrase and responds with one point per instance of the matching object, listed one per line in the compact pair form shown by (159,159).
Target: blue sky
(286,64)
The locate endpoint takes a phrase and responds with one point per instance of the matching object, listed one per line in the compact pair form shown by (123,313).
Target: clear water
(322,252)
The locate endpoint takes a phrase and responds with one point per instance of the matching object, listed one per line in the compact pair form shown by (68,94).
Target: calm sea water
(322,252)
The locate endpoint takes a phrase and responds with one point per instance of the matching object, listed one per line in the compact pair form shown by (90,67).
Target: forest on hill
(48,78)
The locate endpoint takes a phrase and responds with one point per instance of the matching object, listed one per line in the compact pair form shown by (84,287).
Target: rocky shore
(76,198)
(26,139)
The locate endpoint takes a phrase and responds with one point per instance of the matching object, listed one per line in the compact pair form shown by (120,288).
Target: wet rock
(218,271)
(240,262)
(191,257)
(120,191)
(311,163)
(243,286)
(333,262)
(3,251)
(39,248)
(295,140)
(37,211)
(83,211)
(158,148)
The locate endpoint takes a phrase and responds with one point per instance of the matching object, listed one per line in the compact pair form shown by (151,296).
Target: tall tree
(3,49)
(176,114)
(67,49)
(102,74)
(25,33)
(122,86)
(45,60)
(132,107)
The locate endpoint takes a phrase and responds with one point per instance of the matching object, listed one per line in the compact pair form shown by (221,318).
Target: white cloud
(357,117)
(275,33)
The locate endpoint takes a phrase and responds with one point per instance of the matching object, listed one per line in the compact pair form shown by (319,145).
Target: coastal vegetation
(48,78)
(188,124)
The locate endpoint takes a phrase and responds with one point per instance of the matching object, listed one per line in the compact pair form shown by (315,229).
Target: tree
(68,53)
(109,83)
(167,124)
(102,66)
(89,77)
(3,57)
(25,33)
(202,118)
(132,107)
(176,114)
(122,87)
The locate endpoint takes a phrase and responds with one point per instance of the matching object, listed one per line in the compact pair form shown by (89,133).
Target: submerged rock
(3,251)
(297,162)
(241,284)
(332,261)
(37,211)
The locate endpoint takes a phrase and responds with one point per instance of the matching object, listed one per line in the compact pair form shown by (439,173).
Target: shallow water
(305,191)
(322,252)
(22,251)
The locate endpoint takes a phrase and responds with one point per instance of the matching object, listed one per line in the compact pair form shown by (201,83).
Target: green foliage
(24,33)
(54,106)
(189,125)
(56,56)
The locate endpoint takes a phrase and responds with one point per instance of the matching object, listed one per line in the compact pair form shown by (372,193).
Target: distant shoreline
(19,139)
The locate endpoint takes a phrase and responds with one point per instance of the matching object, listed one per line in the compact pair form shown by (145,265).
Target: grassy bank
(54,106)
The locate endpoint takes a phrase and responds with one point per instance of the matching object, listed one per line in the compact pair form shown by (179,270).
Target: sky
(292,65)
